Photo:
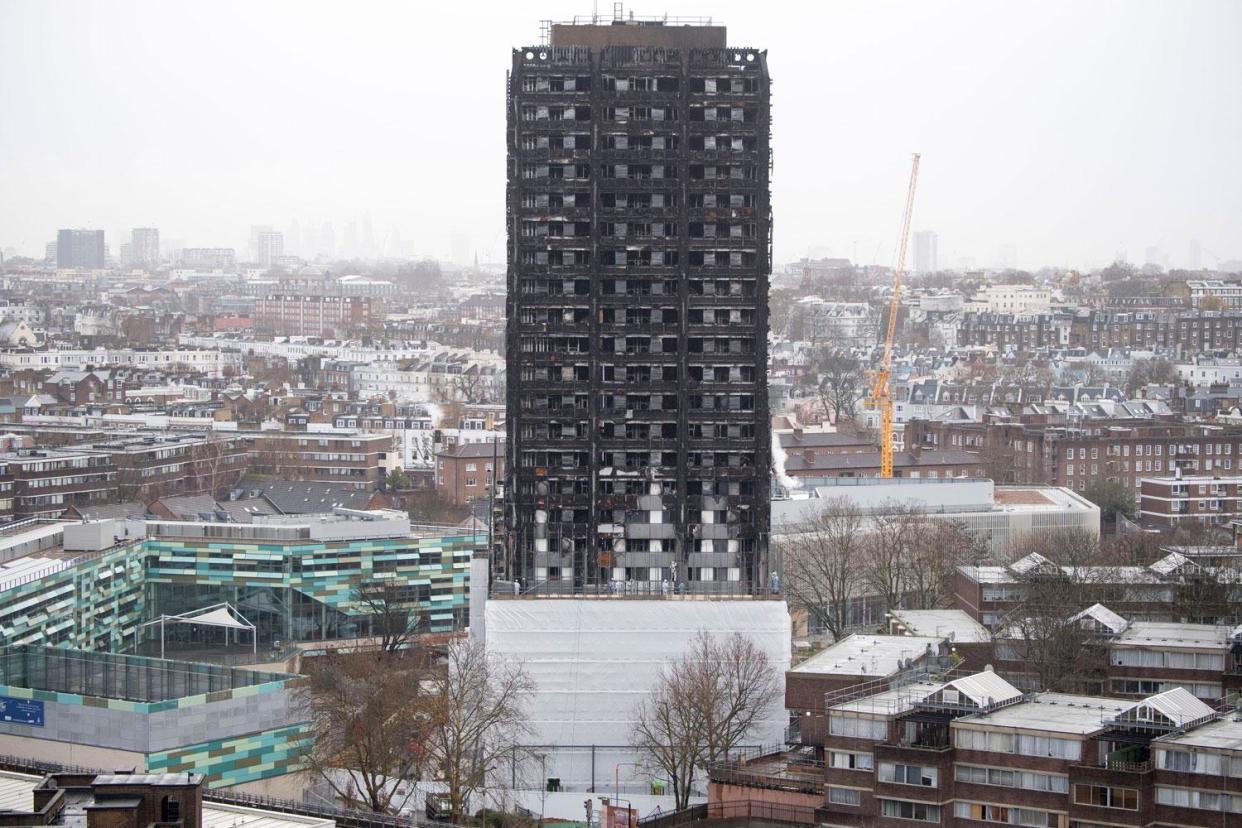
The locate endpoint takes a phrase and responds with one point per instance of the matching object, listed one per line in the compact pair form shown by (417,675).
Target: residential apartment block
(468,471)
(328,457)
(330,317)
(1075,456)
(970,749)
(639,229)
(1166,502)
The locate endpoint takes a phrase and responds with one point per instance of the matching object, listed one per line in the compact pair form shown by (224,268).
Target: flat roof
(1165,634)
(1060,713)
(90,673)
(890,702)
(868,655)
(1222,734)
(943,623)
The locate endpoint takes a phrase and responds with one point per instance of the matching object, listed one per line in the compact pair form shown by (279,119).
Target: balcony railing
(1114,765)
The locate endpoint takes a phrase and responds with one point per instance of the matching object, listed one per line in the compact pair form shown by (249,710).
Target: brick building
(1166,590)
(358,459)
(152,466)
(974,749)
(1125,451)
(935,463)
(467,470)
(48,481)
(1166,502)
(312,315)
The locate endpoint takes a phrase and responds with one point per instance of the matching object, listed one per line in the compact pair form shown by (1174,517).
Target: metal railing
(1115,765)
(745,809)
(684,590)
(62,565)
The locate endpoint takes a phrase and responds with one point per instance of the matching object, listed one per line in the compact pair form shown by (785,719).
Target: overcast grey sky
(1068,128)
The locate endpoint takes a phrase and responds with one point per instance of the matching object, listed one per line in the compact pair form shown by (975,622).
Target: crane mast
(881,390)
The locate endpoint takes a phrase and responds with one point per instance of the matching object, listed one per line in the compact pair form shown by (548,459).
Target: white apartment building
(1015,299)
(209,362)
(1229,292)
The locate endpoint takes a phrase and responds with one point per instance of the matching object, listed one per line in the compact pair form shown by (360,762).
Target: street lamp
(616,776)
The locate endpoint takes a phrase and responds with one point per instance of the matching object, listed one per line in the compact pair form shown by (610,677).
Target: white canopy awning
(219,617)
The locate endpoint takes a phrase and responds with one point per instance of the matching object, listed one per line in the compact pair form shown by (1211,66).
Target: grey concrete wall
(218,720)
(123,730)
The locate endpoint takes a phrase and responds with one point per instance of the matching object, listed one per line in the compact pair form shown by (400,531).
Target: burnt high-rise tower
(639,227)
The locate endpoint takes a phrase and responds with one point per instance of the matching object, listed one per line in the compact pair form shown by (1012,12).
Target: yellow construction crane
(881,390)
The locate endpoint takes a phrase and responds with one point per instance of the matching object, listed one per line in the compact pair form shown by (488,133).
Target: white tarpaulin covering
(594,659)
(217,618)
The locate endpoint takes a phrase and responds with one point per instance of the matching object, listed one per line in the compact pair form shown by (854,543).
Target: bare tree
(704,706)
(1062,574)
(822,560)
(480,719)
(737,683)
(368,723)
(893,536)
(391,606)
(668,729)
(1202,596)
(839,382)
(933,559)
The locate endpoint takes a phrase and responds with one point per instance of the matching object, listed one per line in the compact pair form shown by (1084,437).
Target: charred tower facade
(639,231)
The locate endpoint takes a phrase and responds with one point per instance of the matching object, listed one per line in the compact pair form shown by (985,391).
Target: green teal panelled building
(232,725)
(69,626)
(296,582)
(294,579)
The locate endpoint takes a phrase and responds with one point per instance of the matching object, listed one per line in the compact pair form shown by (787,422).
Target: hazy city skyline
(1057,133)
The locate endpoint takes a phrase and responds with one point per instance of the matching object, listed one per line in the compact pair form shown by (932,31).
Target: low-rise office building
(997,517)
(235,727)
(92,586)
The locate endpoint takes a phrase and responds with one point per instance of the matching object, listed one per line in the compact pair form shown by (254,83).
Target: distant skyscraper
(271,246)
(639,212)
(255,231)
(145,247)
(80,248)
(49,252)
(925,252)
(1194,260)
